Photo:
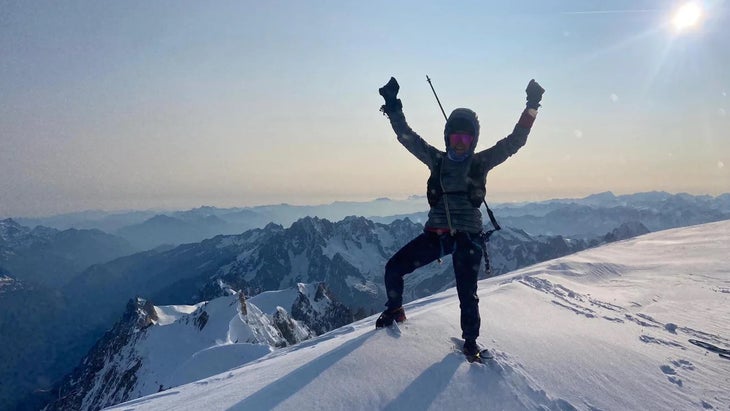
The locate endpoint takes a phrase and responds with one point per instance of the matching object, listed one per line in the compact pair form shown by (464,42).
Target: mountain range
(92,276)
(636,324)
(52,257)
(597,214)
(346,256)
(587,217)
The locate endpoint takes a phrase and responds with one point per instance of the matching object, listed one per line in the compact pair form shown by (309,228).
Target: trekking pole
(437,97)
(446,202)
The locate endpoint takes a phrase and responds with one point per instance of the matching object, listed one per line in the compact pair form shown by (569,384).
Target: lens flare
(687,16)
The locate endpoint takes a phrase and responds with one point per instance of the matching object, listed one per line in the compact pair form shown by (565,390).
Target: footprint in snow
(671,374)
(684,364)
(666,369)
(675,380)
(653,340)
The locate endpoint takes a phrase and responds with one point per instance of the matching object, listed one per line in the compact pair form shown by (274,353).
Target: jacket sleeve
(509,145)
(412,141)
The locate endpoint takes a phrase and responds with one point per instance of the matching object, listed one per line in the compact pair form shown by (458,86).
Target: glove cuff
(527,118)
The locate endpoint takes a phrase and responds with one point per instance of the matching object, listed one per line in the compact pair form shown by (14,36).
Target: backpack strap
(446,201)
(493,220)
(474,176)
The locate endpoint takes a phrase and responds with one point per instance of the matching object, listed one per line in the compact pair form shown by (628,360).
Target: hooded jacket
(454,174)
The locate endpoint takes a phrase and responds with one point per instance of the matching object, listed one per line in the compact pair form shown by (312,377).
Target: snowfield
(604,329)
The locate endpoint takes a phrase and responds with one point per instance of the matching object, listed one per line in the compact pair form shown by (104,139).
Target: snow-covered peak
(626,230)
(7,282)
(158,347)
(10,230)
(608,328)
(168,314)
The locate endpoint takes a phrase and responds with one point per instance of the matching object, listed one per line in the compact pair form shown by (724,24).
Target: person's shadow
(278,391)
(423,390)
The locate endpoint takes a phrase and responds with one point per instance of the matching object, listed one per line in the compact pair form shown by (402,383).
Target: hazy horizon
(413,197)
(131,105)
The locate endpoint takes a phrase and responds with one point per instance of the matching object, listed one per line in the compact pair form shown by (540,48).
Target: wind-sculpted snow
(604,329)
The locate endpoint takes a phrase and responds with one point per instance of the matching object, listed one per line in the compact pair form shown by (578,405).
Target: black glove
(390,95)
(534,94)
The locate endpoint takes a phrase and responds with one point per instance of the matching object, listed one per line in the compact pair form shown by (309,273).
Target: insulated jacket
(454,174)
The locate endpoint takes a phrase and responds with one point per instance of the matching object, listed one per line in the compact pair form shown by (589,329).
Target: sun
(687,16)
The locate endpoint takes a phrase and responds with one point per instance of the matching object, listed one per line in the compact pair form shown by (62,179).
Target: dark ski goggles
(462,138)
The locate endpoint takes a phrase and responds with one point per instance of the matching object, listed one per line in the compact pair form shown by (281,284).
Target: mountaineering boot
(388,316)
(473,353)
(471,349)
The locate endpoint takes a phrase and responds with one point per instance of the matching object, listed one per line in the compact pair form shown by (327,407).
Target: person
(455,191)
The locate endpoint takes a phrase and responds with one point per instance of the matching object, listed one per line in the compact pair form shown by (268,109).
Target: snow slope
(605,329)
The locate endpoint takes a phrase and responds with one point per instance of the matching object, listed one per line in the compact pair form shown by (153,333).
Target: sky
(177,104)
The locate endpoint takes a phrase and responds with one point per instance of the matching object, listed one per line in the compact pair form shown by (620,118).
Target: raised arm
(393,108)
(509,145)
